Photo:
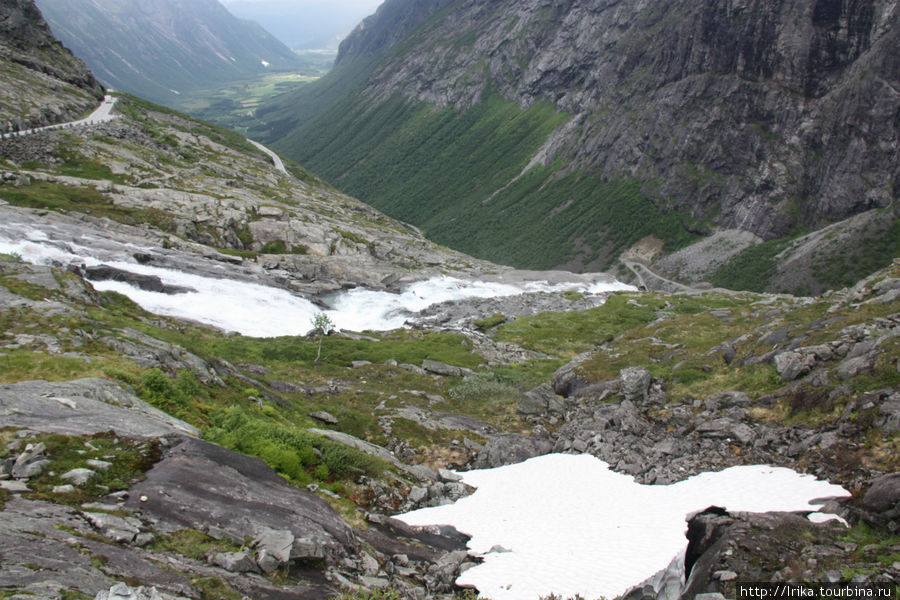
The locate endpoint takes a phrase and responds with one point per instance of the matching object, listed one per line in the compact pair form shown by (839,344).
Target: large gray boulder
(198,484)
(635,383)
(84,407)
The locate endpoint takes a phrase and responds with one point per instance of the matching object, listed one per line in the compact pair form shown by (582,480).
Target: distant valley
(161,49)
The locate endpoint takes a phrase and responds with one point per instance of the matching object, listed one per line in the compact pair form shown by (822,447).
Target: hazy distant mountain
(159,48)
(305,24)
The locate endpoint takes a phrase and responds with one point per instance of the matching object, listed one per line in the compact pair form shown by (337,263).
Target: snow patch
(573,526)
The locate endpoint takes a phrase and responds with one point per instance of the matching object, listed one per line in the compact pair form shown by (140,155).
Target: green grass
(130,460)
(83,199)
(192,543)
(432,167)
(567,334)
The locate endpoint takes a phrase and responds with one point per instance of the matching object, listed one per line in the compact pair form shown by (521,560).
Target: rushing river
(244,306)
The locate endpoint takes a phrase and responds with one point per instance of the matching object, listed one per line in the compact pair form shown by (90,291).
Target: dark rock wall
(26,39)
(755,114)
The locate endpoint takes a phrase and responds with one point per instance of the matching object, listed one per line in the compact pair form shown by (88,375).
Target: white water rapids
(250,308)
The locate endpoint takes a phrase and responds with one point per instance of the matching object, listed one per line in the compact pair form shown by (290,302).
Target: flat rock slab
(199,485)
(84,407)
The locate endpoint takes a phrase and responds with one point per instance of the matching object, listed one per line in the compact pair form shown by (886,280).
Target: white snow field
(567,524)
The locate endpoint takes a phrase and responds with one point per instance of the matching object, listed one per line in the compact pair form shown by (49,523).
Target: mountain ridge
(720,115)
(158,49)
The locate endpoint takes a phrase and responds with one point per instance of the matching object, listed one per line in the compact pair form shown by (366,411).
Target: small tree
(322,326)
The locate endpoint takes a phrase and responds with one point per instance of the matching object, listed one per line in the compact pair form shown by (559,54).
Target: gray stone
(113,527)
(438,368)
(418,494)
(369,564)
(635,383)
(852,367)
(64,489)
(84,407)
(236,562)
(79,476)
(792,365)
(449,476)
(541,400)
(374,583)
(883,495)
(324,417)
(16,487)
(273,548)
(99,465)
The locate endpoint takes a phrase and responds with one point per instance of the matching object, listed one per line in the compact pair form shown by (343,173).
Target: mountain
(43,82)
(147,452)
(308,24)
(561,135)
(160,48)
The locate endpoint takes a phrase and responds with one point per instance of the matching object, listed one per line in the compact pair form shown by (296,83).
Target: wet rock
(150,283)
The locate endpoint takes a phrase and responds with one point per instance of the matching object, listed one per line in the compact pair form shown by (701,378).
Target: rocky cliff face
(752,114)
(758,116)
(59,86)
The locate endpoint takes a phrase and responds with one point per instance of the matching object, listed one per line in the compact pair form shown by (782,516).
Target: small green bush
(490,322)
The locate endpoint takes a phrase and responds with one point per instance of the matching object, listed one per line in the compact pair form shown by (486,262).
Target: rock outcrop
(59,86)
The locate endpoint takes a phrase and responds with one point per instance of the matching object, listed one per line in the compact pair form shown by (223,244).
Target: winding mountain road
(103,114)
(279,164)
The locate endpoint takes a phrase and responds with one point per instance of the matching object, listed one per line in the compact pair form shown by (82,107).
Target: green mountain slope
(158,49)
(667,119)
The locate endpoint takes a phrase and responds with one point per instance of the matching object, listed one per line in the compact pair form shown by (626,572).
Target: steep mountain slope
(544,134)
(42,82)
(159,48)
(310,445)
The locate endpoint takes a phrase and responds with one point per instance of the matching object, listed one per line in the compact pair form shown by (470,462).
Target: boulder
(511,448)
(236,562)
(792,365)
(78,476)
(324,417)
(540,401)
(438,368)
(635,383)
(883,496)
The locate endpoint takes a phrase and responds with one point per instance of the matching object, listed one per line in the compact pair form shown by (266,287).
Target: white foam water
(258,310)
(567,524)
